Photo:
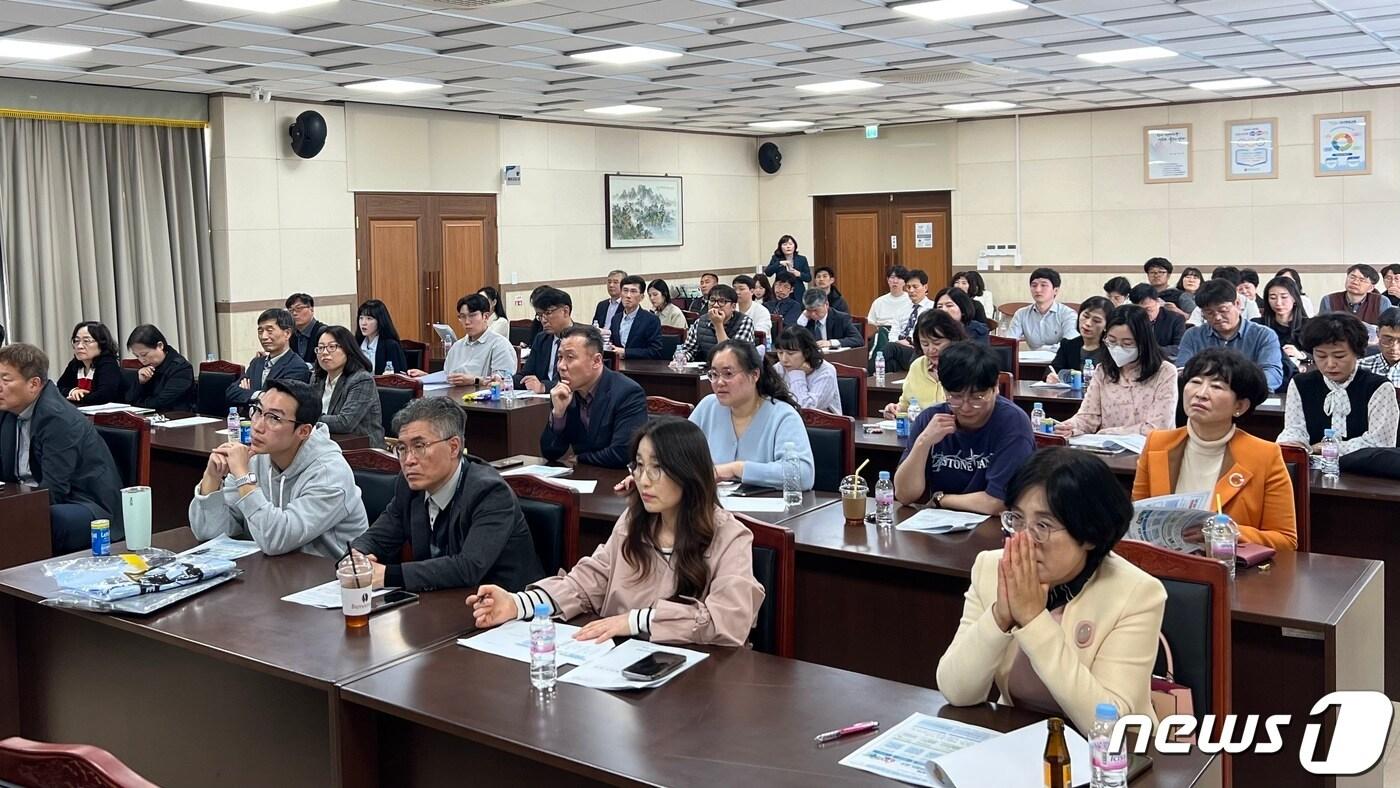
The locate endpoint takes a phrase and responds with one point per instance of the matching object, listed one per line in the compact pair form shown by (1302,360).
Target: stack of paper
(904,752)
(325,596)
(605,672)
(740,503)
(1040,384)
(545,471)
(941,521)
(512,641)
(188,421)
(111,407)
(1132,443)
(225,547)
(1036,356)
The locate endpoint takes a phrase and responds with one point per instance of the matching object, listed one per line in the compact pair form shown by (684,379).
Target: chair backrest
(690,316)
(851,383)
(129,376)
(777,324)
(33,764)
(662,406)
(1072,305)
(415,354)
(775,568)
(671,338)
(862,325)
(1008,353)
(1006,385)
(760,337)
(833,440)
(1295,458)
(1196,624)
(131,363)
(552,511)
(395,392)
(1043,439)
(376,474)
(128,437)
(520,331)
(1008,309)
(214,380)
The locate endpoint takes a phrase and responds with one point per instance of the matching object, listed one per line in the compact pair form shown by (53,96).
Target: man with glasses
(555,311)
(831,327)
(308,328)
(290,490)
(595,411)
(456,514)
(1359,297)
(720,322)
(481,352)
(785,305)
(1226,327)
(276,362)
(609,307)
(963,452)
(1390,275)
(636,332)
(1387,362)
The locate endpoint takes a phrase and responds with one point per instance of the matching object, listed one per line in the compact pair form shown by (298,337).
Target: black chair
(214,380)
(130,367)
(552,512)
(1008,353)
(128,438)
(415,354)
(395,392)
(671,338)
(520,332)
(851,383)
(775,568)
(833,447)
(376,474)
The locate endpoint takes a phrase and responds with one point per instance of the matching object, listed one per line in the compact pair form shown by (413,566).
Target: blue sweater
(774,425)
(1253,341)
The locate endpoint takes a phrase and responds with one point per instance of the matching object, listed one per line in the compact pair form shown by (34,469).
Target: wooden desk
(501,428)
(850,356)
(24,524)
(737,718)
(877,396)
(657,379)
(234,686)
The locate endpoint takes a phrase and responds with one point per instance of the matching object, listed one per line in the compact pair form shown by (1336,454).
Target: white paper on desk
(547,471)
(694,364)
(1132,443)
(742,503)
(584,486)
(1036,356)
(888,424)
(1040,384)
(111,407)
(527,394)
(188,421)
(436,386)
(432,377)
(1015,758)
(225,547)
(325,596)
(512,641)
(904,751)
(941,521)
(1273,401)
(605,672)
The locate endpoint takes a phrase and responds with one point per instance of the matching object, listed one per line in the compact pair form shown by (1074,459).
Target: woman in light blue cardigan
(750,419)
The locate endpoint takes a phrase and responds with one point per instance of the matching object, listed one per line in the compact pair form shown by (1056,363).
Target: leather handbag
(1169,697)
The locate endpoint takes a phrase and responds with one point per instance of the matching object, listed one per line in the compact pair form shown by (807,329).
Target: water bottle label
(884,498)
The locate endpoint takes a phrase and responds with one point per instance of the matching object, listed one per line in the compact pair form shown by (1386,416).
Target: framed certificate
(1251,149)
(1166,154)
(1342,143)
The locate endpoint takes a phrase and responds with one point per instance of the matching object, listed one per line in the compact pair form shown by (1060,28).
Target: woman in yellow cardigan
(1056,619)
(1211,454)
(935,331)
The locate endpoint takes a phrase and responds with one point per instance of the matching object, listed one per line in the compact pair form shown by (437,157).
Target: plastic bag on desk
(113,583)
(138,605)
(123,562)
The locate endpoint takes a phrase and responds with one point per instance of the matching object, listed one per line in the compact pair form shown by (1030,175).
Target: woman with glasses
(751,419)
(165,380)
(345,384)
(1093,319)
(677,567)
(936,331)
(1359,405)
(500,324)
(1254,487)
(94,375)
(961,454)
(1055,619)
(1133,392)
(377,338)
(809,378)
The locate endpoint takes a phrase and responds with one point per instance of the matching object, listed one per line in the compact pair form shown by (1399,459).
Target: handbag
(1169,697)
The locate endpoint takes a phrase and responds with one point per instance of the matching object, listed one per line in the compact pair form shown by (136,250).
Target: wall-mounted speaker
(770,159)
(308,134)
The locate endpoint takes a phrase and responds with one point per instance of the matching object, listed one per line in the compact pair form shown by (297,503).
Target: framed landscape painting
(643,210)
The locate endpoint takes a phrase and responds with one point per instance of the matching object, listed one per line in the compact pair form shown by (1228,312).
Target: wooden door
(863,235)
(921,237)
(857,245)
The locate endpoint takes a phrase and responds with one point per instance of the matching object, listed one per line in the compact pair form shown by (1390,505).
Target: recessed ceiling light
(626,55)
(624,109)
(265,6)
(1242,83)
(941,10)
(979,106)
(394,86)
(840,86)
(14,49)
(781,125)
(1127,55)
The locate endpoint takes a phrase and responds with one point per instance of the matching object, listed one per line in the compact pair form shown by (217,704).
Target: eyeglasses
(465,316)
(256,413)
(720,303)
(1386,341)
(298,309)
(82,342)
(1015,523)
(726,375)
(1358,278)
(546,313)
(322,350)
(651,473)
(417,450)
(974,401)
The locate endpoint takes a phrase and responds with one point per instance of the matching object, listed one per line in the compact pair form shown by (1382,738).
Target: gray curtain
(105,222)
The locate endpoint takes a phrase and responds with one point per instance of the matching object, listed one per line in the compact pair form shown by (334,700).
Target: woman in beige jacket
(676,569)
(1058,621)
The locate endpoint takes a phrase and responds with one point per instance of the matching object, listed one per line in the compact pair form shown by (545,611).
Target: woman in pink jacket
(676,569)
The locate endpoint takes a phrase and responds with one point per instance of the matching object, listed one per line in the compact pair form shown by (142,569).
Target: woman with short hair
(808,376)
(936,331)
(94,374)
(165,380)
(343,380)
(961,306)
(1359,405)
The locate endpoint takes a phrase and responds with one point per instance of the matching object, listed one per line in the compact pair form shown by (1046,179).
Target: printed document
(903,752)
(512,641)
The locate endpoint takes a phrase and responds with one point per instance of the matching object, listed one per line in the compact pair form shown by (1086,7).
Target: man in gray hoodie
(291,489)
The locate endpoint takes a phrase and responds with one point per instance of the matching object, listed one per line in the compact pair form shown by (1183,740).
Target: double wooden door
(861,235)
(419,253)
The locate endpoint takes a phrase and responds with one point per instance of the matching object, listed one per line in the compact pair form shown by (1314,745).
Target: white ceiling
(742,59)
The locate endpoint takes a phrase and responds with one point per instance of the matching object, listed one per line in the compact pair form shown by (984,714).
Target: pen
(849,730)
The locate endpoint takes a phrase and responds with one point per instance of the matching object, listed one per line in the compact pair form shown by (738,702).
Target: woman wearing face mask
(94,375)
(1358,404)
(936,330)
(1133,391)
(963,309)
(1093,317)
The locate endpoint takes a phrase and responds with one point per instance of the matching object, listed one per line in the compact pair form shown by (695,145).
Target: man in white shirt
(1045,321)
(888,309)
(755,310)
(901,350)
(481,352)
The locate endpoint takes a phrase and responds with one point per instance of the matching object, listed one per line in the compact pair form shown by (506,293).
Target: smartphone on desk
(509,462)
(392,599)
(653,666)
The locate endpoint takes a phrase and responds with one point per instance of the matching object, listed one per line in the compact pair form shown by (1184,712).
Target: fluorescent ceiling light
(979,106)
(394,86)
(1242,83)
(840,86)
(941,10)
(626,55)
(1127,55)
(781,125)
(624,109)
(265,6)
(14,49)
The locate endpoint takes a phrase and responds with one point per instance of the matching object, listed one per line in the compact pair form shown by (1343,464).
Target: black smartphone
(392,599)
(509,462)
(653,666)
(1137,764)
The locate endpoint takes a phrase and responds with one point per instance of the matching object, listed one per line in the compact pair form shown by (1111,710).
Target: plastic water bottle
(792,475)
(1110,767)
(543,670)
(914,411)
(388,368)
(1331,453)
(880,368)
(678,359)
(1221,537)
(884,501)
(210,357)
(1088,371)
(234,424)
(1038,418)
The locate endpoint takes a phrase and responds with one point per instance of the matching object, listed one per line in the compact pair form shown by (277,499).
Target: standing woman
(165,380)
(1133,392)
(811,380)
(786,258)
(936,331)
(677,567)
(1292,273)
(377,338)
(1093,320)
(1359,404)
(1285,316)
(349,399)
(500,324)
(659,294)
(963,309)
(94,375)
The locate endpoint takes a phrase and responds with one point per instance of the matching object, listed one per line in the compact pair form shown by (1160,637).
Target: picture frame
(643,211)
(1342,144)
(1251,149)
(1166,154)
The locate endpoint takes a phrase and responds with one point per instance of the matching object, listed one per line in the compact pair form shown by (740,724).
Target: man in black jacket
(455,512)
(303,310)
(278,359)
(555,311)
(45,441)
(595,411)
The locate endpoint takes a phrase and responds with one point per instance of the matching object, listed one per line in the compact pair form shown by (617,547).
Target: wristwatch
(247,478)
(937,499)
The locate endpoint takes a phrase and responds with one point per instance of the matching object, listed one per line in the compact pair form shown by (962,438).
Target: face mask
(1123,356)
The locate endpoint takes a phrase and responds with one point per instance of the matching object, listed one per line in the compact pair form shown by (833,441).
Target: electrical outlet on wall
(518,300)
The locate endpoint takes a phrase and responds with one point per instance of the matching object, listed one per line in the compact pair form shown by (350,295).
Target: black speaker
(308,134)
(770,159)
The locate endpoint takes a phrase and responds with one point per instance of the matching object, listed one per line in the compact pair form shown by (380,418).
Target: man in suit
(555,311)
(45,441)
(308,328)
(454,511)
(609,307)
(831,329)
(636,332)
(278,360)
(595,410)
(787,307)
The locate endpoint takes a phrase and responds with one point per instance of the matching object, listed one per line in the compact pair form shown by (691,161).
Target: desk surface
(201,439)
(1027,392)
